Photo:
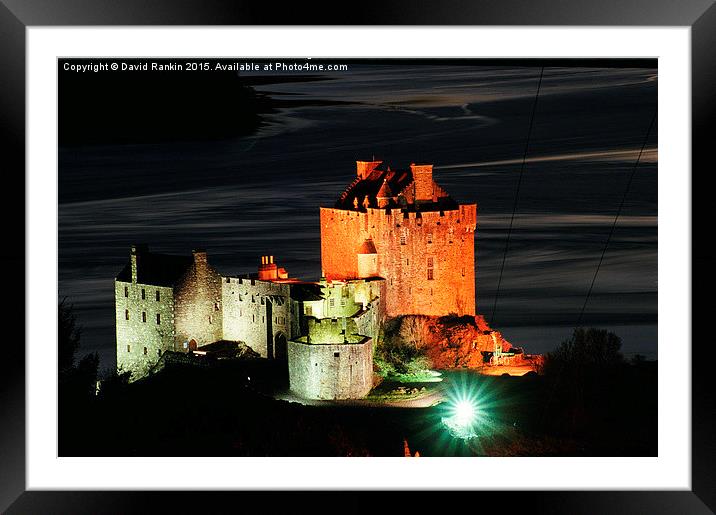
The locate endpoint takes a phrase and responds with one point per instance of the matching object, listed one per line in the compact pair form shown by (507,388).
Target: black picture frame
(16,16)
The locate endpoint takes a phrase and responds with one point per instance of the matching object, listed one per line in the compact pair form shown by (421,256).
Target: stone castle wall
(198,311)
(142,337)
(257,313)
(331,371)
(427,258)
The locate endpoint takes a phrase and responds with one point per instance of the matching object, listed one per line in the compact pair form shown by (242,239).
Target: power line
(616,218)
(517,196)
(601,259)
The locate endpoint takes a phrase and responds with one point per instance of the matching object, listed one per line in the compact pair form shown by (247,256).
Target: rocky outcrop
(455,342)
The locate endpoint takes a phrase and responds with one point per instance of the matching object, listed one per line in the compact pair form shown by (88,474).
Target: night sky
(240,164)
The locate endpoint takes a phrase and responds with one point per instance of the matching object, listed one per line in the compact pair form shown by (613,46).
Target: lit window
(159,319)
(126,291)
(430,274)
(126,314)
(144,316)
(144,294)
(158,296)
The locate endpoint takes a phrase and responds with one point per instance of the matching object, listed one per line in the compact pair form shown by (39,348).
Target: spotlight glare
(464,413)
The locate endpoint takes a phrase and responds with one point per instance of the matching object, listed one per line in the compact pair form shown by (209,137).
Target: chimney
(365,168)
(135,256)
(268,270)
(423,180)
(199,259)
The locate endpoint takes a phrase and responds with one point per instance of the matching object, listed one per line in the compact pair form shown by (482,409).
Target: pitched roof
(157,269)
(389,184)
(306,291)
(367,247)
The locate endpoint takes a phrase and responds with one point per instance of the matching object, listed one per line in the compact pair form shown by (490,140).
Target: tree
(75,382)
(68,337)
(414,330)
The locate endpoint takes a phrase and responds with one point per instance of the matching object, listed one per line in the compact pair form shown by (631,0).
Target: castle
(393,244)
(402,226)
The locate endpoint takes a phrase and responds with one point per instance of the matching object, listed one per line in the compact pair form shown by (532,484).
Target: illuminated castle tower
(404,227)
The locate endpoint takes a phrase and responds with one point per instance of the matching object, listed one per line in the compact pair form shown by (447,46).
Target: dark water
(244,197)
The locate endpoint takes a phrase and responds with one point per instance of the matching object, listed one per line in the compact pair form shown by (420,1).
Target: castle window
(145,351)
(210,321)
(159,352)
(216,306)
(430,237)
(253,318)
(332,302)
(336,354)
(129,349)
(158,296)
(407,261)
(430,274)
(403,236)
(159,319)
(308,310)
(463,271)
(262,301)
(430,262)
(144,294)
(126,314)
(253,299)
(144,316)
(126,291)
(343,302)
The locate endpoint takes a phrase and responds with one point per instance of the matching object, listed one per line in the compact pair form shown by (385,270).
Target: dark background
(240,163)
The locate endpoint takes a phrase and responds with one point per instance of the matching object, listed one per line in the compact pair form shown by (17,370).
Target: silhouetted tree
(75,382)
(68,337)
(580,373)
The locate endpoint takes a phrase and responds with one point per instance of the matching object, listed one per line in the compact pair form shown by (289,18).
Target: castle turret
(384,195)
(367,260)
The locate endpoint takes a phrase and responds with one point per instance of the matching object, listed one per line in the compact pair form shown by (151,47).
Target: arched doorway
(280,347)
(192,344)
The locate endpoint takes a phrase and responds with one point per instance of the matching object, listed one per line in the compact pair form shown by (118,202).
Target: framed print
(420,257)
